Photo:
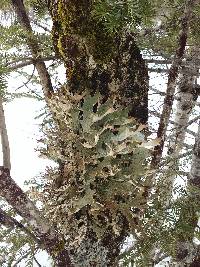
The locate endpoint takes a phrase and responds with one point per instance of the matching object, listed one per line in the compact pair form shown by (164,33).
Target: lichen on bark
(112,65)
(79,38)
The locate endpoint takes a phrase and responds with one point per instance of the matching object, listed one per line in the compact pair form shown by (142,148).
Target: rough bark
(186,100)
(194,176)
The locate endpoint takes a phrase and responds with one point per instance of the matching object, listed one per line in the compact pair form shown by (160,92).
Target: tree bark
(187,252)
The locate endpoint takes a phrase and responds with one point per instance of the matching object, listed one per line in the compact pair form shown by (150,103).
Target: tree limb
(48,237)
(28,61)
(21,258)
(164,94)
(8,221)
(34,48)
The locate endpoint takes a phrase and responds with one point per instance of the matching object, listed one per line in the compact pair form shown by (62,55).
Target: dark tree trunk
(111,64)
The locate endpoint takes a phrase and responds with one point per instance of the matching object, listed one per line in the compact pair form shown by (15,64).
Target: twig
(37,261)
(164,94)
(21,258)
(9,221)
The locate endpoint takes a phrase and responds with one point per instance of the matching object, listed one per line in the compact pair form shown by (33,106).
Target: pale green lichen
(105,167)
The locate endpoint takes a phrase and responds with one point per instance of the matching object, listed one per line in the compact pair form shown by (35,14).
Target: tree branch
(171,84)
(157,114)
(28,61)
(21,258)
(8,221)
(164,94)
(34,48)
(48,237)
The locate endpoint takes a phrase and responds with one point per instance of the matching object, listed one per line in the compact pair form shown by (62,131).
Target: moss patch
(74,18)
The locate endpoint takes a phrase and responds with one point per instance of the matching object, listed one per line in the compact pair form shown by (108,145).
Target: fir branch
(8,221)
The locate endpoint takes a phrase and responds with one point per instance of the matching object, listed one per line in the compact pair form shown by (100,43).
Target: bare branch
(46,29)
(171,84)
(158,70)
(27,61)
(37,261)
(164,94)
(157,114)
(22,258)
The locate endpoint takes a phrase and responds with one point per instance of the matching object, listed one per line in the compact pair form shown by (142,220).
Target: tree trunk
(186,100)
(187,252)
(111,64)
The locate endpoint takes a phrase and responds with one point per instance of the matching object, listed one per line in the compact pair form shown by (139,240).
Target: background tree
(108,184)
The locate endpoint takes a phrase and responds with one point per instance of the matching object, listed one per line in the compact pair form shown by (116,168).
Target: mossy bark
(111,64)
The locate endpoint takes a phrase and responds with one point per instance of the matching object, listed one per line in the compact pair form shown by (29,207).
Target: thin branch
(157,114)
(21,258)
(37,261)
(41,26)
(27,61)
(9,221)
(171,84)
(158,70)
(164,94)
(158,61)
(34,48)
(26,83)
(196,119)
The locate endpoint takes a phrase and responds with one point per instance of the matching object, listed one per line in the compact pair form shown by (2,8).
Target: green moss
(74,18)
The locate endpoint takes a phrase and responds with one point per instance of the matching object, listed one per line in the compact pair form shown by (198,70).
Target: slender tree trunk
(4,138)
(172,79)
(186,96)
(187,252)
